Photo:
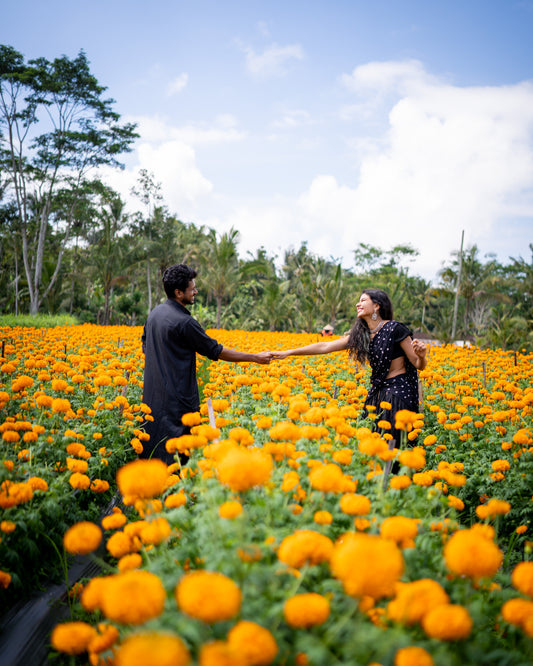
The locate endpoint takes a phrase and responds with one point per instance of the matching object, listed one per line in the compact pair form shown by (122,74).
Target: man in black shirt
(171,339)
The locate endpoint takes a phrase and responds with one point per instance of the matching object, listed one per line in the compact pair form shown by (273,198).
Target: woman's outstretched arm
(316,348)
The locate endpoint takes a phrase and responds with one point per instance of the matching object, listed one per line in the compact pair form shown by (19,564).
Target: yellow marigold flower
(522,578)
(329,478)
(255,643)
(412,458)
(413,656)
(143,478)
(208,595)
(306,610)
(75,465)
(367,565)
(79,481)
(176,500)
(414,600)
(191,419)
(449,622)
(10,436)
(205,430)
(13,494)
(430,440)
(72,637)
(82,538)
(220,653)
(230,509)
(154,648)
(132,597)
(385,405)
(400,529)
(21,382)
(305,547)
(323,517)
(242,469)
(129,561)
(361,524)
(400,482)
(472,553)
(355,505)
(99,486)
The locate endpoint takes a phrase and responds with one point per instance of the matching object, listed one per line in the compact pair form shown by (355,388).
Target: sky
(330,122)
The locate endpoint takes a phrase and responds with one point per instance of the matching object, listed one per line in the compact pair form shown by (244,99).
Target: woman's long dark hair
(359,339)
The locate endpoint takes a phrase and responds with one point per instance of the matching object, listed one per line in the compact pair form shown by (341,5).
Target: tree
(221,267)
(81,133)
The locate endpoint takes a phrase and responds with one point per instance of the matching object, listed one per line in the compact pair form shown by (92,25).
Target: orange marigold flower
(517,611)
(220,653)
(355,505)
(120,544)
(82,538)
(113,522)
(367,565)
(306,610)
(413,656)
(472,553)
(191,419)
(154,648)
(430,440)
(305,547)
(176,500)
(400,482)
(413,458)
(208,595)
(255,643)
(400,529)
(242,469)
(494,507)
(414,600)
(5,579)
(230,510)
(155,531)
(7,526)
(522,578)
(61,405)
(143,478)
(423,479)
(132,597)
(72,637)
(449,622)
(285,430)
(323,517)
(185,443)
(129,561)
(79,481)
(329,478)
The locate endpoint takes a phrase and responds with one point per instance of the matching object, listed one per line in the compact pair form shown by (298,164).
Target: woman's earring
(374,316)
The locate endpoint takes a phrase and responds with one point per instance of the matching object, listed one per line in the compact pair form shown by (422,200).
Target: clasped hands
(265,357)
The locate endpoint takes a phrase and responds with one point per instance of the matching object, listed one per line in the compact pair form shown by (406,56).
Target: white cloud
(273,61)
(292,119)
(178,84)
(437,159)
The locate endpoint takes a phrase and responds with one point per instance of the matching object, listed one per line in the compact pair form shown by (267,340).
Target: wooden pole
(457,287)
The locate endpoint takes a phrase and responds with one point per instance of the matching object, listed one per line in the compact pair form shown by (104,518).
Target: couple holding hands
(172,337)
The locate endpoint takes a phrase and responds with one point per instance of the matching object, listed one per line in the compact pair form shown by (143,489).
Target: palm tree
(221,273)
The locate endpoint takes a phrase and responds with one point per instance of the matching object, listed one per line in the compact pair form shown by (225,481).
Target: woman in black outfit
(387,345)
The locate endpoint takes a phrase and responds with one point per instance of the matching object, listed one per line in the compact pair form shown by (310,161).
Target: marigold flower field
(294,534)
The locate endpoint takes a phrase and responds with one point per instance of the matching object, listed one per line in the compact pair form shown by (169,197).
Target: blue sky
(333,122)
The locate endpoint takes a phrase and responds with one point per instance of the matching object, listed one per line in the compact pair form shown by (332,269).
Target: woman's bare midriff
(397,367)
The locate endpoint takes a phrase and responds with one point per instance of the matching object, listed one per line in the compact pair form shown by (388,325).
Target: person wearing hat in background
(327,330)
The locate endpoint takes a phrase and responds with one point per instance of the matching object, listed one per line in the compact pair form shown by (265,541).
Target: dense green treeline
(68,246)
